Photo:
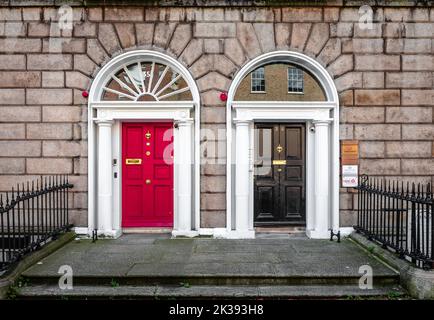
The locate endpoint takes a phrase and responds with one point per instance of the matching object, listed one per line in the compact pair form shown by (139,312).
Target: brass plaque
(133,161)
(349,152)
(279,162)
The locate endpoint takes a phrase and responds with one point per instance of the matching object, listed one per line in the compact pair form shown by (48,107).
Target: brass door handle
(148,181)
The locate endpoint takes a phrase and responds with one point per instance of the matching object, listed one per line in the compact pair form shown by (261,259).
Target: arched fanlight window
(146,81)
(279,81)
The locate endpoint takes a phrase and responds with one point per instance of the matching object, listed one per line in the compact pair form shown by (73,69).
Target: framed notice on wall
(349,176)
(350,163)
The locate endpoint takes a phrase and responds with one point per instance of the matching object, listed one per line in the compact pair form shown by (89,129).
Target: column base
(110,234)
(184,233)
(87,232)
(318,234)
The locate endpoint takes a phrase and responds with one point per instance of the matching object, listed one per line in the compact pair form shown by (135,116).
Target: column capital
(322,122)
(241,122)
(184,121)
(104,122)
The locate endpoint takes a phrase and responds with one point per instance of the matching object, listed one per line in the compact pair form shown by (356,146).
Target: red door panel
(147,174)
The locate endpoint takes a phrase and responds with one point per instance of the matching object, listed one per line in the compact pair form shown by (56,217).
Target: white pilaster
(184,161)
(322,180)
(105,187)
(242,228)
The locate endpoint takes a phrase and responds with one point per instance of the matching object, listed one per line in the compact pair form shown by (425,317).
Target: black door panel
(279,180)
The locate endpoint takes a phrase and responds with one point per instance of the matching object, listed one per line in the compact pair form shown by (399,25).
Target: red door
(147,174)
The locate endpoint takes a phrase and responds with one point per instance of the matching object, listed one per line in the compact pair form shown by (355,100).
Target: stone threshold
(146,230)
(277,229)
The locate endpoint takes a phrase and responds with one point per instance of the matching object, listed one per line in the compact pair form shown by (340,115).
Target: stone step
(217,279)
(202,291)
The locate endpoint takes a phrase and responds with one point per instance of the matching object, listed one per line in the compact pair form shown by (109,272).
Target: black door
(279,178)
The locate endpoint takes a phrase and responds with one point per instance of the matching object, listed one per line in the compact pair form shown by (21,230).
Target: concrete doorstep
(419,283)
(156,267)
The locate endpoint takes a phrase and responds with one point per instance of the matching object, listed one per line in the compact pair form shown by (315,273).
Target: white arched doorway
(143,89)
(321,122)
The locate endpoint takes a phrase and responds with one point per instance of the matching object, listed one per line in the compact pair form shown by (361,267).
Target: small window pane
(258,80)
(295,80)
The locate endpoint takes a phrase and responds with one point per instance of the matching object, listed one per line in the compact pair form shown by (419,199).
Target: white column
(184,163)
(322,180)
(242,227)
(105,188)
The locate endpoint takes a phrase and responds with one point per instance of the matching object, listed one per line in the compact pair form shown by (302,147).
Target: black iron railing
(32,215)
(399,216)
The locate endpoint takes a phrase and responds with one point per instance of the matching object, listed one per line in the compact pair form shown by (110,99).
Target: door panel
(279,187)
(147,174)
(266,188)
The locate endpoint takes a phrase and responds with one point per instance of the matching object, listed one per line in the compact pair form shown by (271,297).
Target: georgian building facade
(217,118)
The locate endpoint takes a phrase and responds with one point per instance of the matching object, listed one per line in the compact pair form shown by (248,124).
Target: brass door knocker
(279,148)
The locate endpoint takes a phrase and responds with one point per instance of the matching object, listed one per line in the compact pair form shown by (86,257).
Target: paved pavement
(138,255)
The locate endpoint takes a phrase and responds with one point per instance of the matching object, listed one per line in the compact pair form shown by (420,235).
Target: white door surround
(104,134)
(322,149)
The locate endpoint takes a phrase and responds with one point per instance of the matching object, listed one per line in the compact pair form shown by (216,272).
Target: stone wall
(384,76)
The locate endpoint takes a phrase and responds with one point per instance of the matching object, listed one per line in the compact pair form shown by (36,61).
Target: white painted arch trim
(140,110)
(278,111)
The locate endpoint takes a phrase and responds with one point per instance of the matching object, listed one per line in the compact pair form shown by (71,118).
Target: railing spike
(23,189)
(1,200)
